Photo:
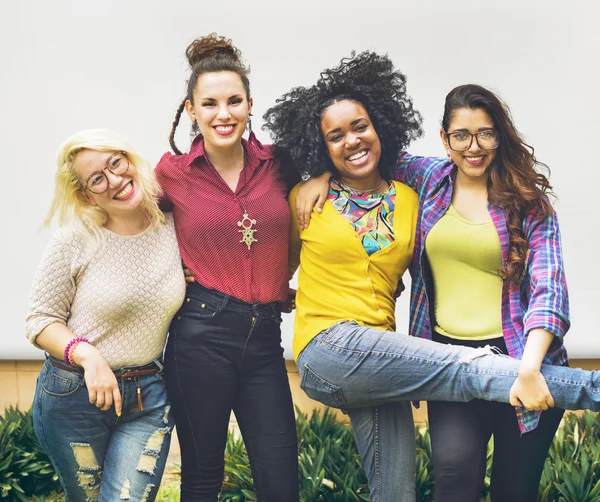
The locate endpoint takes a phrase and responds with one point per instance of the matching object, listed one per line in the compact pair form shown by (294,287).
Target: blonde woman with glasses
(103,296)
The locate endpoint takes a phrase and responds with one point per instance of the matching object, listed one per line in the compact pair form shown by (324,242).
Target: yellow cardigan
(337,279)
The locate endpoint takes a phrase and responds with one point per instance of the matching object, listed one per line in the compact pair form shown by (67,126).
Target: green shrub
(572,470)
(329,465)
(330,468)
(25,470)
(424,476)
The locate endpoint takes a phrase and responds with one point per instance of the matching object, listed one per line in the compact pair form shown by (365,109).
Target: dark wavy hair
(367,78)
(514,183)
(206,55)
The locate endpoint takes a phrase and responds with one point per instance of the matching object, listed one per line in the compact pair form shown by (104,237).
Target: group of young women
(476,230)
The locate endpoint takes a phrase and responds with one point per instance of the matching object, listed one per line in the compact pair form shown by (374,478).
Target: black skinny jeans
(459,436)
(224,354)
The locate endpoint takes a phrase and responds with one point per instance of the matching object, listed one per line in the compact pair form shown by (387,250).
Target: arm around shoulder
(295,241)
(415,171)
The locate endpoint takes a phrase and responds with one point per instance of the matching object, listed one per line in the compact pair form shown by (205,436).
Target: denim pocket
(321,390)
(62,383)
(201,310)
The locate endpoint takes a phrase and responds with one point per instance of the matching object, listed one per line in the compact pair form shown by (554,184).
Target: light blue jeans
(366,371)
(97,455)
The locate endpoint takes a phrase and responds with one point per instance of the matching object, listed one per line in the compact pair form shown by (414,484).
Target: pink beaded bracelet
(70,348)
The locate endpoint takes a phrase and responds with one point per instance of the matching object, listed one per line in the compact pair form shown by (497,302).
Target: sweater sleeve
(53,287)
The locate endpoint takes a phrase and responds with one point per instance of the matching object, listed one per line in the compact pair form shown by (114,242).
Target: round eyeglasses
(460,141)
(117,164)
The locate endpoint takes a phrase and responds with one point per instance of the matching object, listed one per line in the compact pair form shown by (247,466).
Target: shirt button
(373,295)
(187,299)
(179,318)
(203,305)
(368,279)
(379,311)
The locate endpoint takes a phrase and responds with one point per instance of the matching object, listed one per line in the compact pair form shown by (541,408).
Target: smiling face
(220,108)
(352,143)
(122,193)
(475,161)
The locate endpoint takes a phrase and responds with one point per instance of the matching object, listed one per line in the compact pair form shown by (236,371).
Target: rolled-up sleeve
(548,294)
(53,287)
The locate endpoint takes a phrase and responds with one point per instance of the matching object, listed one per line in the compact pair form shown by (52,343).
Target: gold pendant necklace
(246,225)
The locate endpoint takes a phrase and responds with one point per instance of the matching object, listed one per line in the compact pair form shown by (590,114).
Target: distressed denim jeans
(97,455)
(356,368)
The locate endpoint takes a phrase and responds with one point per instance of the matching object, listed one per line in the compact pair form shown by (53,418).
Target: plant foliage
(25,470)
(329,465)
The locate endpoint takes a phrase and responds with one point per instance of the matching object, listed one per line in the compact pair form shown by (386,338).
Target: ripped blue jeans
(97,455)
(369,372)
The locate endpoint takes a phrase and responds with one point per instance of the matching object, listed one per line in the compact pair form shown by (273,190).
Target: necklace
(369,190)
(246,224)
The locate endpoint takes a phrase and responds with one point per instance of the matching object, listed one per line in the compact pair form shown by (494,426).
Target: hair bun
(211,45)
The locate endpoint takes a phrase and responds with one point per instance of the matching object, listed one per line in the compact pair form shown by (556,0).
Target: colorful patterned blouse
(370,214)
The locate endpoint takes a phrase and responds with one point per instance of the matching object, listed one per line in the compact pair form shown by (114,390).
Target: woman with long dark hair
(489,261)
(228,197)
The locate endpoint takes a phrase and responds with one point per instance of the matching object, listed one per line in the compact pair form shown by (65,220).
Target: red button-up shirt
(207,213)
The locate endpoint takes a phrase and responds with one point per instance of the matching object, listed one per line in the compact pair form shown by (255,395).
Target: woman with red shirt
(228,197)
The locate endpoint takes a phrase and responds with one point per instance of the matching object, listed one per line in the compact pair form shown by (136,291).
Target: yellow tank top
(465,260)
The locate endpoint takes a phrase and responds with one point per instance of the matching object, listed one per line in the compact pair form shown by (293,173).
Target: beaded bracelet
(70,348)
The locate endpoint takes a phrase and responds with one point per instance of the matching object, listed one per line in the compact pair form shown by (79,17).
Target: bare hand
(102,385)
(312,193)
(531,391)
(290,303)
(189,275)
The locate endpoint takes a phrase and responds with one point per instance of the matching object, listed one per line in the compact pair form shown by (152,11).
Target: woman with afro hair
(354,122)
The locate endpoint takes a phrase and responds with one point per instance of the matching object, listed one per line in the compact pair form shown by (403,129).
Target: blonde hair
(69,204)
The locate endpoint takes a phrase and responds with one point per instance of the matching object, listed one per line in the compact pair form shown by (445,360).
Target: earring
(249,125)
(448,153)
(194,129)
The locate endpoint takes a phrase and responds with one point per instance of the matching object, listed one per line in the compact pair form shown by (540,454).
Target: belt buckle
(126,374)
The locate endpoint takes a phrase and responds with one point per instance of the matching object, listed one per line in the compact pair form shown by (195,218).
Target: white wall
(69,65)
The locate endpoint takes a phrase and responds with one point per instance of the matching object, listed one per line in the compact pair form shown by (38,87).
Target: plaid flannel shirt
(539,301)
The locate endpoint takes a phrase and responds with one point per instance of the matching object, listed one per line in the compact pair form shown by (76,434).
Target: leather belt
(121,374)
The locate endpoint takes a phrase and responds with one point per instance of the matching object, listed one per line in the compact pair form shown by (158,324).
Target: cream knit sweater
(120,293)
